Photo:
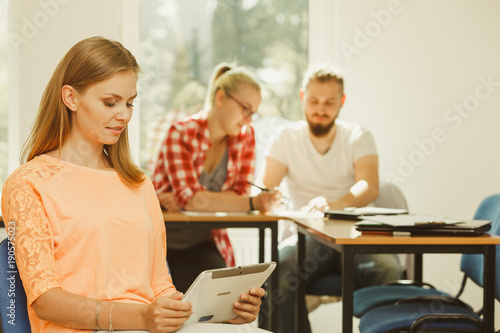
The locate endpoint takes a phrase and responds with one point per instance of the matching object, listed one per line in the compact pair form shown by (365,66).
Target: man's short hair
(323,73)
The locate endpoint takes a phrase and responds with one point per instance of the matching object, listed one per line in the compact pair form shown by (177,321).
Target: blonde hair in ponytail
(228,77)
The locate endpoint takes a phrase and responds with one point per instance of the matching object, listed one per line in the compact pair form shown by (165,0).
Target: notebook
(461,228)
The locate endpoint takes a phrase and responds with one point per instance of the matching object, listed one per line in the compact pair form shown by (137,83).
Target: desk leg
(347,288)
(264,321)
(275,279)
(262,237)
(489,286)
(270,318)
(266,300)
(418,267)
(300,304)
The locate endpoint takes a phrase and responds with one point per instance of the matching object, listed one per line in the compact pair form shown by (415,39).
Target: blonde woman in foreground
(90,238)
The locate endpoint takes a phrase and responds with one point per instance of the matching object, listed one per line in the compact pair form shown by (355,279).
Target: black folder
(463,228)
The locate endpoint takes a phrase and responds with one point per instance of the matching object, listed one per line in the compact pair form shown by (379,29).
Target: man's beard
(319,130)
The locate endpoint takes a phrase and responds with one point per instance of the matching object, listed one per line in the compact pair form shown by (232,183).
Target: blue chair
(13,305)
(369,298)
(417,311)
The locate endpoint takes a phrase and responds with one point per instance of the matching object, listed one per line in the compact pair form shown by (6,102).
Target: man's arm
(365,190)
(274,172)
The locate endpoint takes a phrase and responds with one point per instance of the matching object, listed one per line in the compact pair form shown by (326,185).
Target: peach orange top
(85,231)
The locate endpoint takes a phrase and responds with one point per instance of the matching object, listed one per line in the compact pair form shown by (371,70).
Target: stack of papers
(353,213)
(190,213)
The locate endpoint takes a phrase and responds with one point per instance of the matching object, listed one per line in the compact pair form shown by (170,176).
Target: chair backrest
(472,264)
(390,196)
(13,305)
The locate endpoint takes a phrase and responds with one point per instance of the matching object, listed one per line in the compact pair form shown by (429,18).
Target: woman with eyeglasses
(205,164)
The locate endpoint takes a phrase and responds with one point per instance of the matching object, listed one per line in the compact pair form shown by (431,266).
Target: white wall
(41,32)
(409,65)
(404,84)
(403,79)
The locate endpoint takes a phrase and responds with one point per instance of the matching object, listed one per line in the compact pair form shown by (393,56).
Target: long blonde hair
(228,77)
(87,63)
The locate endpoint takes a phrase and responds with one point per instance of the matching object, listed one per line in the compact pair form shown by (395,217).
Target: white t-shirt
(311,174)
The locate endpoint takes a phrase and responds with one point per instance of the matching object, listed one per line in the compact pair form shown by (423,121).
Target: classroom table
(342,236)
(261,221)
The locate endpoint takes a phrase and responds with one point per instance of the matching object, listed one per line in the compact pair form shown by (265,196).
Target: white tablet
(214,291)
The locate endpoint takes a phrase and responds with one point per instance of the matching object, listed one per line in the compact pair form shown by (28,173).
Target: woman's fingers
(248,306)
(168,313)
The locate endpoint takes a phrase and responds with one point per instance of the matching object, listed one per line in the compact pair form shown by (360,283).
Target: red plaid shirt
(180,164)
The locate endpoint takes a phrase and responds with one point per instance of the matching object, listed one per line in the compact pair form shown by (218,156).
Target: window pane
(3,91)
(181,41)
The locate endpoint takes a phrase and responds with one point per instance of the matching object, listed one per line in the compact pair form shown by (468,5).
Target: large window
(3,91)
(182,40)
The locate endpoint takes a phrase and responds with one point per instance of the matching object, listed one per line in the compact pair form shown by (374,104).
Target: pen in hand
(259,187)
(283,200)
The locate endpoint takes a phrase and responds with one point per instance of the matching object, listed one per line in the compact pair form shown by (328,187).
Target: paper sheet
(188,213)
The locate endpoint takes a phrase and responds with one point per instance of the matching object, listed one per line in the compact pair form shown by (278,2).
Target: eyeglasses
(247,112)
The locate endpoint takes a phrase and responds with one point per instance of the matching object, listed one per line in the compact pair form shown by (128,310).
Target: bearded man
(327,163)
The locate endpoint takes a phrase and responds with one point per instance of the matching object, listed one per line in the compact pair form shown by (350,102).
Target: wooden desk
(343,237)
(228,220)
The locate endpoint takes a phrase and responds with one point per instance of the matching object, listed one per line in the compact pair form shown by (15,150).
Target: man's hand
(318,204)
